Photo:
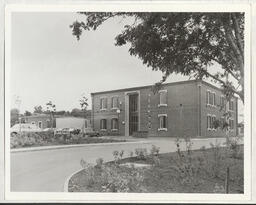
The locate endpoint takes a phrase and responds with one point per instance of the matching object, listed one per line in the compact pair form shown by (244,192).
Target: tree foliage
(185,43)
(38,109)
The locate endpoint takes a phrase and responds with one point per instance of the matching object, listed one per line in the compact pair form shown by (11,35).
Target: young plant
(141,153)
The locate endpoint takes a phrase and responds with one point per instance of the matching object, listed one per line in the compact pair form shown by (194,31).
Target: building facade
(187,108)
(41,120)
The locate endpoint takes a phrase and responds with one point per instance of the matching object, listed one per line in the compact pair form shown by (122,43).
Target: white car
(24,127)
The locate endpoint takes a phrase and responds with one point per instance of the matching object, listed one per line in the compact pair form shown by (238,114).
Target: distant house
(73,122)
(41,120)
(187,108)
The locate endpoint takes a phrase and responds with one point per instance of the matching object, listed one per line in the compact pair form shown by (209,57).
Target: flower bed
(35,139)
(201,171)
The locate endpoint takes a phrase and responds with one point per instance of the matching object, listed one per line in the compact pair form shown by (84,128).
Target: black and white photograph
(128,102)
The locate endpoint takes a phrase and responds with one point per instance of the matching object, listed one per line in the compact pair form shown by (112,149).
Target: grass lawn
(201,171)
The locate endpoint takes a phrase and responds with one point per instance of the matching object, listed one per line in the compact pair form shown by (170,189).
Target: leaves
(185,43)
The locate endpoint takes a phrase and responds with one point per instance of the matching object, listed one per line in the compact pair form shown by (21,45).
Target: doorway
(133,113)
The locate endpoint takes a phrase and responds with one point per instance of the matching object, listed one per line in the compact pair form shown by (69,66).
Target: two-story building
(187,108)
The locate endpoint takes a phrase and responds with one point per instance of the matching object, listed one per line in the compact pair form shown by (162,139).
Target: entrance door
(133,113)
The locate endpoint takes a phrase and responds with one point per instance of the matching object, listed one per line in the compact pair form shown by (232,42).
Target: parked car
(24,127)
(48,129)
(93,134)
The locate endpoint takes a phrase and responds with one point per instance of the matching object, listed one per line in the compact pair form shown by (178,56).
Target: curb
(42,148)
(65,187)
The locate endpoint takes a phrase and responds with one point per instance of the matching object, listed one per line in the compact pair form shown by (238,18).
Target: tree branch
(238,34)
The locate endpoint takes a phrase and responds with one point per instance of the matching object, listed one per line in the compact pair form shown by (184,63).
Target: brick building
(186,108)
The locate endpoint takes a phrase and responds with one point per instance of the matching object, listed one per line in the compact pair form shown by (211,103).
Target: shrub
(233,145)
(99,163)
(118,156)
(113,178)
(140,134)
(178,144)
(154,151)
(141,153)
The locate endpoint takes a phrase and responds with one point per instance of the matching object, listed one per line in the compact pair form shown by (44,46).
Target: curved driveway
(46,170)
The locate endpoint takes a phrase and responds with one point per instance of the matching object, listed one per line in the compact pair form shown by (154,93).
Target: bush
(140,134)
(112,178)
(118,156)
(154,150)
(141,153)
(233,145)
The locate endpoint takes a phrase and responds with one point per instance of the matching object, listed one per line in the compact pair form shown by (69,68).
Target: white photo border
(143,6)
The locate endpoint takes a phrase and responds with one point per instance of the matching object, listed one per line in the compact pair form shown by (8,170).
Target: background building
(187,108)
(41,120)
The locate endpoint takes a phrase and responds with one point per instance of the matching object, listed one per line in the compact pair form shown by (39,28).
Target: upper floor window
(231,105)
(103,103)
(114,102)
(231,123)
(210,98)
(162,98)
(162,122)
(222,101)
(103,124)
(114,124)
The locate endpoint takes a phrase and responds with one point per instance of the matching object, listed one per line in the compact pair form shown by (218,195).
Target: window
(213,99)
(210,98)
(103,103)
(209,122)
(213,120)
(114,124)
(208,93)
(40,124)
(114,102)
(103,124)
(162,122)
(163,98)
(33,123)
(48,124)
(85,124)
(231,105)
(231,123)
(222,101)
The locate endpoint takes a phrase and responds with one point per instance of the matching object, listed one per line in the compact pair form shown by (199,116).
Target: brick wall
(186,110)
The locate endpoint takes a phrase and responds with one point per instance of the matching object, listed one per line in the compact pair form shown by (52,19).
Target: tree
(14,116)
(76,112)
(51,108)
(84,104)
(185,43)
(27,113)
(38,109)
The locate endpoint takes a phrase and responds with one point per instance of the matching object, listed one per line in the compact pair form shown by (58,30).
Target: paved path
(46,170)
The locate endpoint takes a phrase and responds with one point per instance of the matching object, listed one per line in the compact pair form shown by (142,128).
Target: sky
(48,63)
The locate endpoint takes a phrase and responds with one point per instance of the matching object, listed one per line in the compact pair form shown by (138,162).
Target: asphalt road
(46,170)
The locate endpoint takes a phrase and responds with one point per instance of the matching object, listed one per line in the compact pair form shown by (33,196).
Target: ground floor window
(162,122)
(103,124)
(40,124)
(210,122)
(114,124)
